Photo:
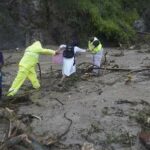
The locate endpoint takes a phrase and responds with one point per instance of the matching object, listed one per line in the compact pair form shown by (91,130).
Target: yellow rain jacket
(27,67)
(31,55)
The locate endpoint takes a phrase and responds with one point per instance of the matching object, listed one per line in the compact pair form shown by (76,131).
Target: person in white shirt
(69,61)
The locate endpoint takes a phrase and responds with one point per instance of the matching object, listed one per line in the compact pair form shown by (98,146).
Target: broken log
(122,69)
(19,135)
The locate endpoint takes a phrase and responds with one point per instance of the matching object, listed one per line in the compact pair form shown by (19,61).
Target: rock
(132,47)
(144,138)
(87,146)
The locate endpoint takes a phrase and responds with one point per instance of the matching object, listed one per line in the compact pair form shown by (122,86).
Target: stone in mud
(87,146)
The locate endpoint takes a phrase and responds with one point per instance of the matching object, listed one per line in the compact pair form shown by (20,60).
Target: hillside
(54,22)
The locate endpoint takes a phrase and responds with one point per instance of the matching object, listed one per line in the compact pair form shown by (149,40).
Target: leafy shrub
(114,18)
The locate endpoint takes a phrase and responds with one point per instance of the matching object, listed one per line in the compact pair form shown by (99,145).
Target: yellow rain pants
(23,73)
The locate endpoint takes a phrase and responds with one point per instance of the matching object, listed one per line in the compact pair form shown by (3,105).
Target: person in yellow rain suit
(27,67)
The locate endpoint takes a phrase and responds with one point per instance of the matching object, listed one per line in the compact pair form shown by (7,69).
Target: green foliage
(110,20)
(114,18)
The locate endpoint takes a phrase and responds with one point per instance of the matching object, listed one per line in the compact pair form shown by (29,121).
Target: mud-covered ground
(102,110)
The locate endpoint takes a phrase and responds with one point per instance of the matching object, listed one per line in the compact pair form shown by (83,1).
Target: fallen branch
(15,140)
(105,58)
(37,117)
(40,73)
(122,69)
(58,101)
(8,58)
(10,128)
(91,66)
(121,101)
(56,140)
(112,69)
(19,134)
(68,128)
(63,134)
(10,63)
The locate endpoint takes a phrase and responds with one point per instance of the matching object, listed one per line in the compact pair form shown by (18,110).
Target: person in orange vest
(27,67)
